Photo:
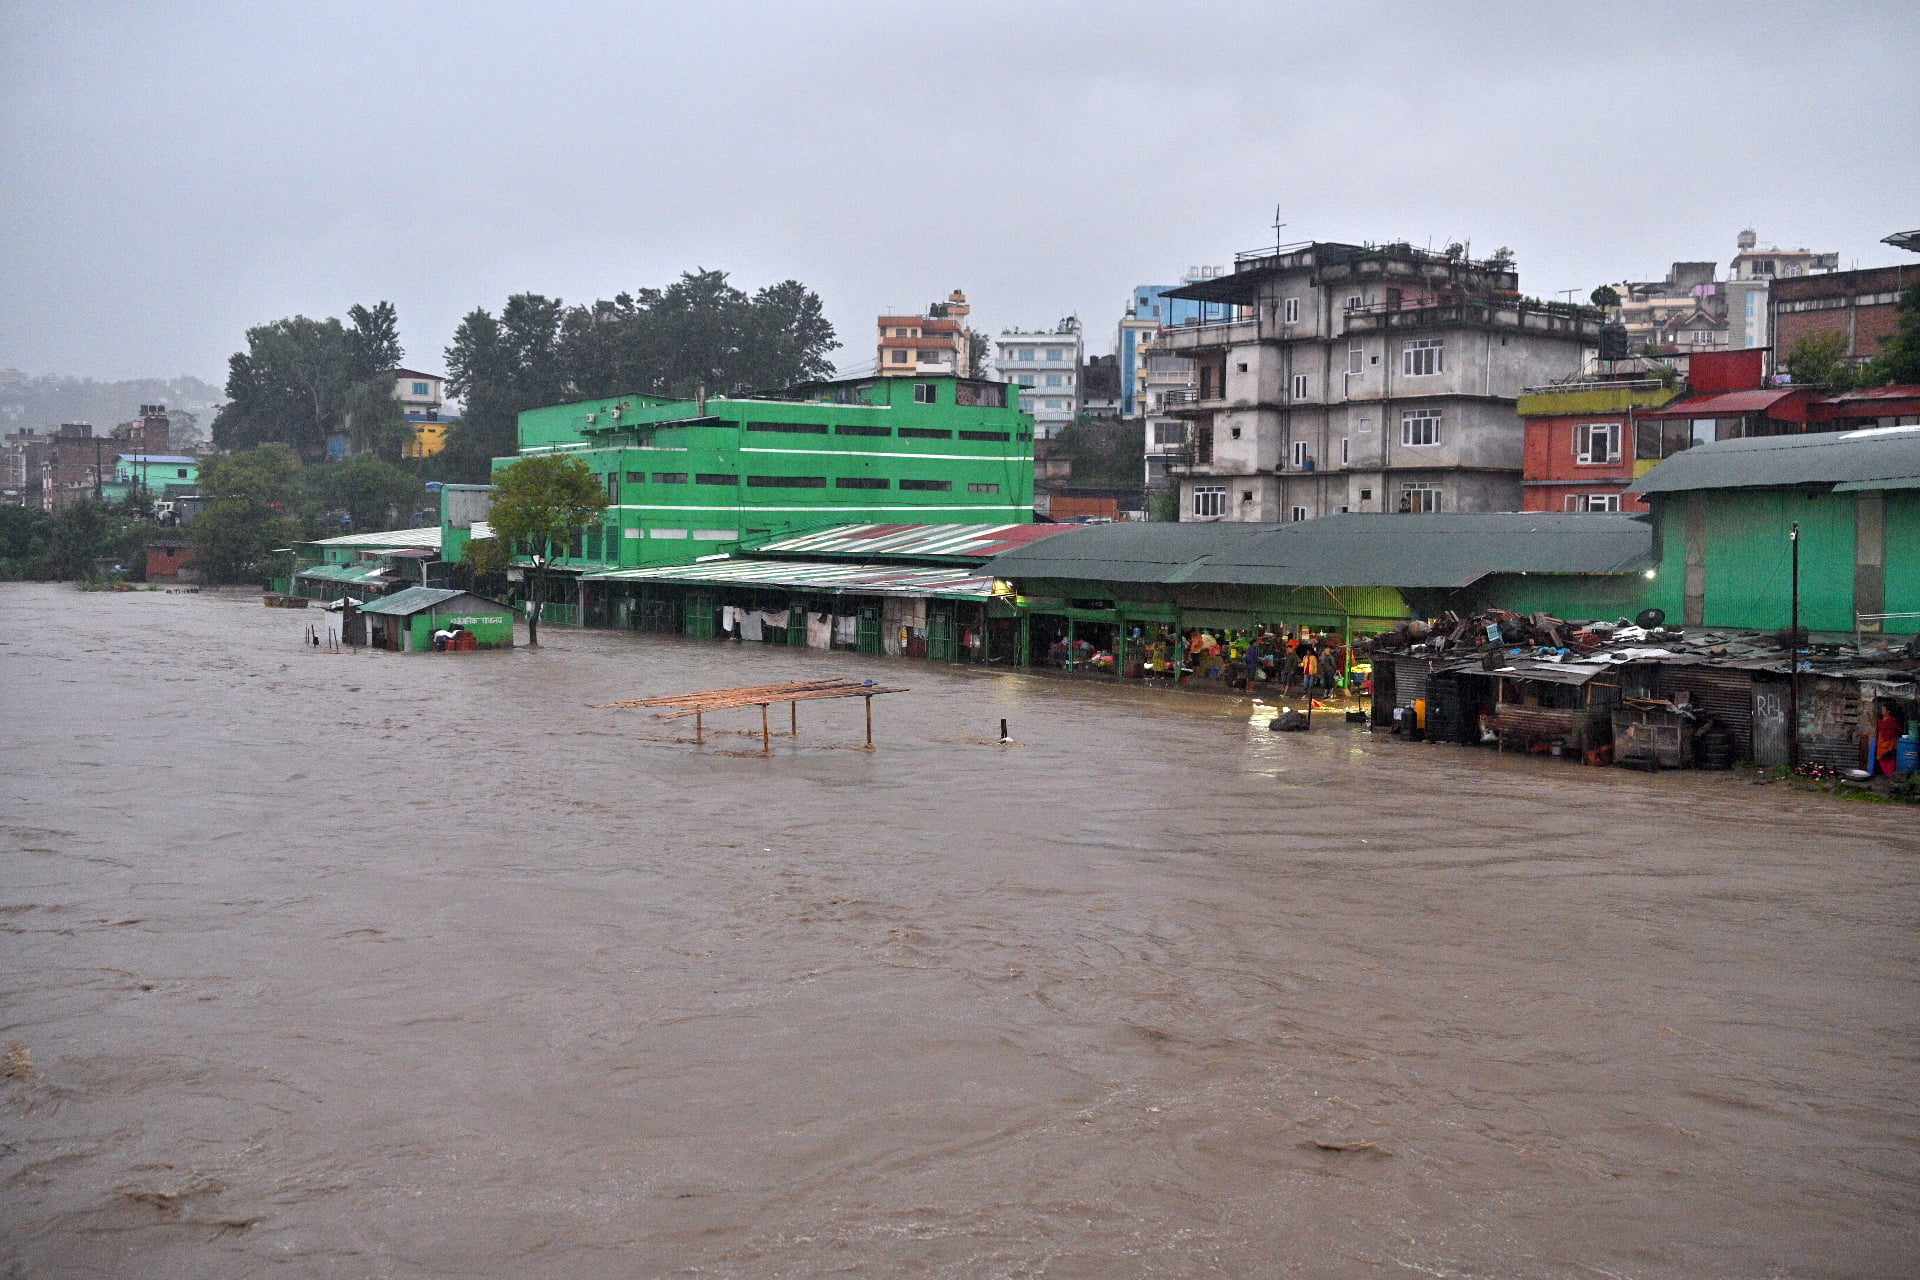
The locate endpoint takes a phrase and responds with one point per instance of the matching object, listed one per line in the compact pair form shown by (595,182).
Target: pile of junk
(1638,691)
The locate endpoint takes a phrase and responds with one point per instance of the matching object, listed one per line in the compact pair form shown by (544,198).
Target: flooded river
(371,965)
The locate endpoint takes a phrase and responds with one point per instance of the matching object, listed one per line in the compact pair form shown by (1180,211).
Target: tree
(301,380)
(74,542)
(374,494)
(24,533)
(1899,359)
(978,349)
(540,504)
(1104,451)
(1821,360)
(373,342)
(1605,296)
(250,497)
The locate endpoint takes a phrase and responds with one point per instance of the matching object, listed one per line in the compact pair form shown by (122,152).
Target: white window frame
(923,393)
(1583,438)
(1429,420)
(1290,311)
(1299,455)
(1423,357)
(1428,494)
(1298,514)
(1209,500)
(1299,386)
(1355,301)
(1356,359)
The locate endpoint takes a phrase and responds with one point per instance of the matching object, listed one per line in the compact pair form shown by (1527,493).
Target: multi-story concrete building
(1149,307)
(1365,378)
(937,344)
(1749,320)
(1044,364)
(23,462)
(1678,313)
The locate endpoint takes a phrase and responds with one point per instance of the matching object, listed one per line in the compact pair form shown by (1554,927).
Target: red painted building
(1585,441)
(167,557)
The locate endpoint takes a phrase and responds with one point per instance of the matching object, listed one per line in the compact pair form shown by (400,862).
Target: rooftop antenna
(1569,293)
(1277,226)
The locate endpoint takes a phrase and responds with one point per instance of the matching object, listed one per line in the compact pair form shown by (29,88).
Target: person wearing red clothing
(1886,745)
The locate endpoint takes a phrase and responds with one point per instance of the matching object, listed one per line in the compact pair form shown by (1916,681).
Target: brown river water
(377,965)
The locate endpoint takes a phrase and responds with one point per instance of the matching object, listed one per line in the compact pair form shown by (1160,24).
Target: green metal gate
(697,624)
(942,646)
(869,635)
(796,626)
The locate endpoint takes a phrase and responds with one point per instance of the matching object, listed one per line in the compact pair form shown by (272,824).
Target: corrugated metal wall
(1726,694)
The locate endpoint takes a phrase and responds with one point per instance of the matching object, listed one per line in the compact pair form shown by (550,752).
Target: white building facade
(1045,364)
(1364,378)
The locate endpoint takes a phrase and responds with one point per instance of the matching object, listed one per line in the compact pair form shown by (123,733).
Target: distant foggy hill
(49,400)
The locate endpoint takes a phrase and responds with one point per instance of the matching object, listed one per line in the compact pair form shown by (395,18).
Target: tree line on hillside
(302,380)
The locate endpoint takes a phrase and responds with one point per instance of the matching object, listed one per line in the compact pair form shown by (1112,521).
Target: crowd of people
(1285,660)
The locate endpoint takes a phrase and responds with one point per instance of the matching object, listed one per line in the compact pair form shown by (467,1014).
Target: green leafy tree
(251,500)
(374,494)
(1104,451)
(539,505)
(1821,360)
(1899,359)
(497,366)
(1605,296)
(373,342)
(24,536)
(79,536)
(698,332)
(301,380)
(978,351)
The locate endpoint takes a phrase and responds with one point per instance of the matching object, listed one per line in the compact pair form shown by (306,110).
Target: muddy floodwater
(379,965)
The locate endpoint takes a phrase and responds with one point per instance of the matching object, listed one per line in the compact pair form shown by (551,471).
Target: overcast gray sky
(176,172)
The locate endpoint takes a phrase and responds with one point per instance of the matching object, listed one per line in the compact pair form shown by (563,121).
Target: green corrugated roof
(1856,459)
(415,599)
(1448,550)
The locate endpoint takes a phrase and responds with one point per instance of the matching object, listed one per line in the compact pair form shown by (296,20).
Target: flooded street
(382,965)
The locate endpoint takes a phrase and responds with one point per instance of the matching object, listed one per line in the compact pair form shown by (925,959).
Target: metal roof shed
(406,620)
(1880,457)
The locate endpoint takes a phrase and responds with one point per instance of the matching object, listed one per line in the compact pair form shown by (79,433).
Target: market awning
(841,579)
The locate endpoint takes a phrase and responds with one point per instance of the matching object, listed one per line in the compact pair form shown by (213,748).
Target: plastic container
(1906,755)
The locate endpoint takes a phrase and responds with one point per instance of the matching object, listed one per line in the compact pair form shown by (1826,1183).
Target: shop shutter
(1726,695)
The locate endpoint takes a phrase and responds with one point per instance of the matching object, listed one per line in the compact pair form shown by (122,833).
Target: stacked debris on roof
(1542,637)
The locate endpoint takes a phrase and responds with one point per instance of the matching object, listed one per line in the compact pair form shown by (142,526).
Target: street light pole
(1793,657)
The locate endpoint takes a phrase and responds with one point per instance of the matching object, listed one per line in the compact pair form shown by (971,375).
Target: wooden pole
(793,712)
(699,734)
(869,722)
(766,736)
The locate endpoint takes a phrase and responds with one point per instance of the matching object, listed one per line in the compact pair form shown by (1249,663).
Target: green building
(158,474)
(1723,513)
(690,478)
(405,621)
